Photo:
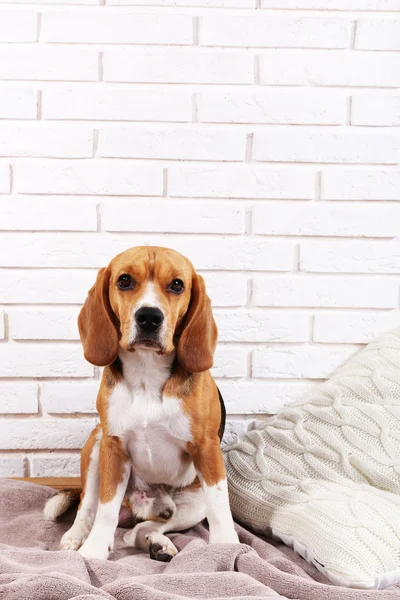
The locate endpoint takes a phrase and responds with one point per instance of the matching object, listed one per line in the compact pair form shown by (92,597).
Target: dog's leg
(190,510)
(115,469)
(77,534)
(210,468)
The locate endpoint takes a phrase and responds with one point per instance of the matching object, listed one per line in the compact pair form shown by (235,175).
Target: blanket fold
(31,568)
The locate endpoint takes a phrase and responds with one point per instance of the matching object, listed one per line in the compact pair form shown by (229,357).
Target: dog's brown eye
(125,282)
(176,286)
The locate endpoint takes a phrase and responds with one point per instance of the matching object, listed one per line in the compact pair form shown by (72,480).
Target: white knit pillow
(324,474)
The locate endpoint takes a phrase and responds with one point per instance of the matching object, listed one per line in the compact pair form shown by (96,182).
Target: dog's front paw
(92,551)
(70,543)
(73,538)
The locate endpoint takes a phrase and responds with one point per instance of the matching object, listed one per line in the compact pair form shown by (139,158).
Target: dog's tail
(60,503)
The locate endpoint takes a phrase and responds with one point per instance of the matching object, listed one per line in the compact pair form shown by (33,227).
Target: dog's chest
(154,428)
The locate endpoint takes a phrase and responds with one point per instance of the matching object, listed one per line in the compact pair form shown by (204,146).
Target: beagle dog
(148,321)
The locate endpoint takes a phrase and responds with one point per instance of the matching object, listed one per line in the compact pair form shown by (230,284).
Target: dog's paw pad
(160,547)
(160,553)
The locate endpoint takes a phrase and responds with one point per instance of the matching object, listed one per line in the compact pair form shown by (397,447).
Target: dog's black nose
(149,319)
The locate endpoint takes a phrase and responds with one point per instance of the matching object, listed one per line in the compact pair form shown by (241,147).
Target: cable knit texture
(324,474)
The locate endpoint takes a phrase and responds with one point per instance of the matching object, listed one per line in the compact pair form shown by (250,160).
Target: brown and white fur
(158,442)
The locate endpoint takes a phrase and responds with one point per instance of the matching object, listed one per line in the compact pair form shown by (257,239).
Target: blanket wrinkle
(52,586)
(198,586)
(294,588)
(31,568)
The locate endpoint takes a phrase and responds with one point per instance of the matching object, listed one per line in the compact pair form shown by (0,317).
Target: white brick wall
(378,34)
(258,137)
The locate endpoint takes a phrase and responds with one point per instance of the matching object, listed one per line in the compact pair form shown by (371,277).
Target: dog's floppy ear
(198,339)
(96,327)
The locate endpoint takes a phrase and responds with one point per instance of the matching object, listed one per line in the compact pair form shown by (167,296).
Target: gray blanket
(32,569)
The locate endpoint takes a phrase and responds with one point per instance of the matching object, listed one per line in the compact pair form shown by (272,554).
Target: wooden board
(58,483)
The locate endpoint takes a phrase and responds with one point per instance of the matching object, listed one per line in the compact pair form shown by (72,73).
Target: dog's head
(149,298)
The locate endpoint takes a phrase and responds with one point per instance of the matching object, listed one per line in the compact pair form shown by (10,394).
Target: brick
(350,328)
(228,289)
(257,326)
(367,109)
(56,2)
(311,362)
(43,360)
(175,65)
(18,397)
(50,214)
(55,465)
(295,32)
(378,34)
(53,250)
(327,219)
(350,257)
(280,67)
(328,291)
(117,104)
(87,177)
(230,362)
(12,466)
(83,251)
(284,144)
(180,217)
(172,143)
(37,434)
(292,107)
(43,323)
(105,27)
(70,397)
(239,182)
(18,26)
(265,397)
(376,5)
(360,185)
(4,178)
(187,3)
(45,286)
(18,104)
(243,253)
(41,140)
(48,63)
